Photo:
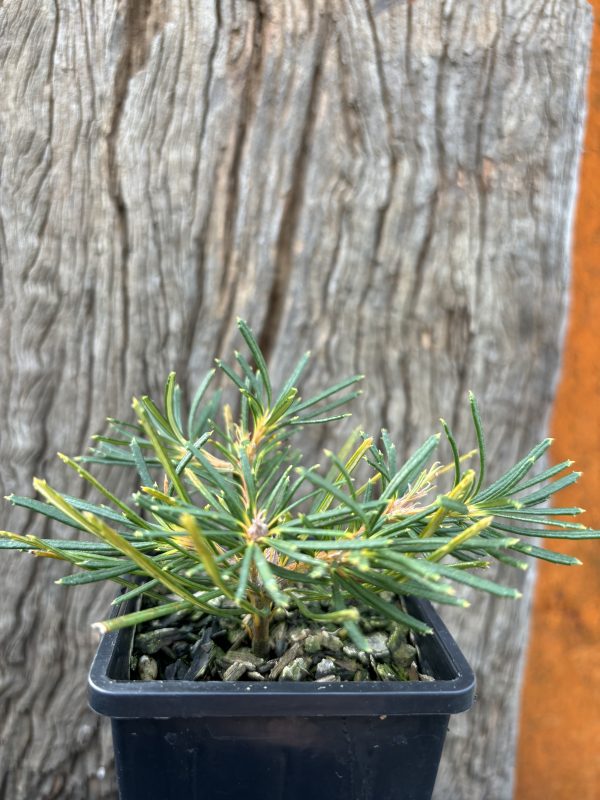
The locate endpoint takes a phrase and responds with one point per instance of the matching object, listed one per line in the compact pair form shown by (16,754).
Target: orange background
(559,746)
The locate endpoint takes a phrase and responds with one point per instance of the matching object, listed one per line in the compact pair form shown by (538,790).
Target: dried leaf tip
(99,627)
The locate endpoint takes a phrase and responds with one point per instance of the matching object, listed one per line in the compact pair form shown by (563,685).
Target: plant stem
(260,635)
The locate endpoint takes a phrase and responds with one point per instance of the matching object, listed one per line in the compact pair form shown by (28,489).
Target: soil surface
(197,646)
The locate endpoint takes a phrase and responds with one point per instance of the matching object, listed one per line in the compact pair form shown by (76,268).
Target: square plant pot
(214,740)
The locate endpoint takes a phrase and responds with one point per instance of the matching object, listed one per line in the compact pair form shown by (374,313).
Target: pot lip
(122,698)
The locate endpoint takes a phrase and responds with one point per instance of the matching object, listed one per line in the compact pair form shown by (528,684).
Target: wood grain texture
(387,183)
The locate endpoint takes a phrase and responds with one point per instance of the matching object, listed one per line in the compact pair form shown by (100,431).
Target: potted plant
(274,636)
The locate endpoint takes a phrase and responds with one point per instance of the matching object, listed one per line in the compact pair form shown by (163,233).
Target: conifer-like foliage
(227,518)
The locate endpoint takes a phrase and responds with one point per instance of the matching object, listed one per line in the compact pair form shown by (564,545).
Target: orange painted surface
(559,746)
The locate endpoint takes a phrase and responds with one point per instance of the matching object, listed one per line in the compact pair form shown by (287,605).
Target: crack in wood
(247,110)
(199,240)
(141,21)
(284,259)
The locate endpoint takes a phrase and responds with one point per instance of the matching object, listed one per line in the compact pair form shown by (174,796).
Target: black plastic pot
(281,741)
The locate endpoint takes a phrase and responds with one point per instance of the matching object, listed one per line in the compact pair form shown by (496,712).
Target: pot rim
(112,695)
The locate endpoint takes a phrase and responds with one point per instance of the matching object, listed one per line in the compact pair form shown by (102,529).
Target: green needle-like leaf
(480,441)
(304,404)
(244,573)
(161,453)
(95,575)
(138,617)
(194,427)
(387,610)
(269,580)
(460,539)
(45,509)
(407,473)
(173,416)
(353,629)
(454,448)
(334,490)
(140,463)
(206,553)
(337,617)
(511,479)
(390,451)
(131,515)
(258,357)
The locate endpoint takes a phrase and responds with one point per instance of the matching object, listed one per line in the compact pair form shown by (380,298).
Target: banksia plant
(229,520)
